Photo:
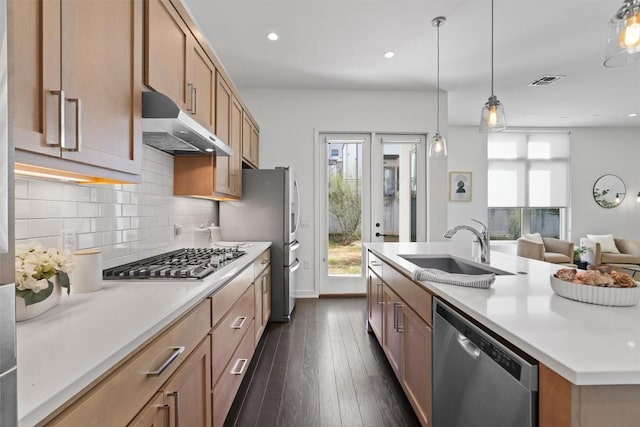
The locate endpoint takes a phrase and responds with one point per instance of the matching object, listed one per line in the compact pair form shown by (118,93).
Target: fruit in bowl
(594,277)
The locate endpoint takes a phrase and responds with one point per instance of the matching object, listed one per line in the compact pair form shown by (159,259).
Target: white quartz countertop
(587,344)
(64,350)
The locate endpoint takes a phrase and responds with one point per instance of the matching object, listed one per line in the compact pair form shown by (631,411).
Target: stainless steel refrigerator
(269,211)
(8,369)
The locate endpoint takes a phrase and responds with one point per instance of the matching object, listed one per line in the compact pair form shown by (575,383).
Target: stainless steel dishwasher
(477,381)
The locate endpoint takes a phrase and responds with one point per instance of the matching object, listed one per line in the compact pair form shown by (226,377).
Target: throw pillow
(606,242)
(535,237)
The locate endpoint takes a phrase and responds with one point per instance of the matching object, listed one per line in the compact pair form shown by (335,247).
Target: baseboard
(341,295)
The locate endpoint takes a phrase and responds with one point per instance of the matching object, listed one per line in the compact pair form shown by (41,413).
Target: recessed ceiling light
(389,54)
(272,36)
(633,114)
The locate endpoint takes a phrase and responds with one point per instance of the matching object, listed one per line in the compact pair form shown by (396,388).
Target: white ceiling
(339,44)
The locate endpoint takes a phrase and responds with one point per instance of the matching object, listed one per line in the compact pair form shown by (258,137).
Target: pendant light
(623,43)
(438,147)
(492,115)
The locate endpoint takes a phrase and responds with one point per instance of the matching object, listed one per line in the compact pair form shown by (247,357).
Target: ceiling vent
(547,80)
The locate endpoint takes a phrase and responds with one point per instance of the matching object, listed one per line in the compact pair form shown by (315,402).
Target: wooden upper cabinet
(224,99)
(76,83)
(235,140)
(250,143)
(176,65)
(167,41)
(202,81)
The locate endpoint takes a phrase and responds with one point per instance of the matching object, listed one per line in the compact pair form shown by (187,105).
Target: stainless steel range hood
(166,127)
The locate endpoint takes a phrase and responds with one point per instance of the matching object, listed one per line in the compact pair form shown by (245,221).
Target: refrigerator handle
(297,190)
(294,246)
(293,267)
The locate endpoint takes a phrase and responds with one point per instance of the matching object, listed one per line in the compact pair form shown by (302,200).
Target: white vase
(25,312)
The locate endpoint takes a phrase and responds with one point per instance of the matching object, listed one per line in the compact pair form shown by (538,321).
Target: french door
(369,187)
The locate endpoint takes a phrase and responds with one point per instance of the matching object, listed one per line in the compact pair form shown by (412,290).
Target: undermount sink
(452,265)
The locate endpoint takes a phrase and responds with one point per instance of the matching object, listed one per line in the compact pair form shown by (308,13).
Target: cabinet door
(392,329)
(235,140)
(34,66)
(266,297)
(255,146)
(202,78)
(188,391)
(102,80)
(154,414)
(246,137)
(375,302)
(417,363)
(166,42)
(223,119)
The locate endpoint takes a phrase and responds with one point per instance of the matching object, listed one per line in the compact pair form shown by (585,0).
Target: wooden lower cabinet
(392,329)
(225,390)
(416,362)
(184,399)
(375,303)
(401,310)
(263,302)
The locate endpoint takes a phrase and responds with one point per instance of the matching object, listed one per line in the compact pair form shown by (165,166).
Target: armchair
(628,256)
(551,250)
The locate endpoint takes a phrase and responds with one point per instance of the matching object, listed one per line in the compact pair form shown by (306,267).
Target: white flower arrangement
(35,265)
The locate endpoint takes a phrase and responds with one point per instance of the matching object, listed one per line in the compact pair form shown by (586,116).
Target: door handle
(382,235)
(379,294)
(194,101)
(471,349)
(78,146)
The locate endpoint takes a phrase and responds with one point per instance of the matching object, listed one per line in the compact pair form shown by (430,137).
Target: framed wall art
(459,186)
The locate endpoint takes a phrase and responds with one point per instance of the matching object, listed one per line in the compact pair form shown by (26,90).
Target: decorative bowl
(601,295)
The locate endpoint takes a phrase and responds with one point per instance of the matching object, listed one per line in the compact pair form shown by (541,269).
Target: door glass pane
(505,223)
(345,208)
(399,193)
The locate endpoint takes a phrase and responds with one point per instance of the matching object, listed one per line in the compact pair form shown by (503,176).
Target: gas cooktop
(180,264)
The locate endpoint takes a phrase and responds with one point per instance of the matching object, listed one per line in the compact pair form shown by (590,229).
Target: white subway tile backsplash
(126,221)
(58,209)
(45,190)
(25,209)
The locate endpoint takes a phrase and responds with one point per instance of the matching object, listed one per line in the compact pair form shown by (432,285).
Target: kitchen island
(589,355)
(67,350)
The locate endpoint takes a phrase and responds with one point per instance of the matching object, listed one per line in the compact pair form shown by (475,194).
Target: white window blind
(528,169)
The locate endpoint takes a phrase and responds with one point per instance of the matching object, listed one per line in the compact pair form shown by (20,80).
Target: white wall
(127,222)
(596,152)
(290,119)
(468,153)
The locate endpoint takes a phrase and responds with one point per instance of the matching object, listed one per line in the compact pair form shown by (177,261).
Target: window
(527,184)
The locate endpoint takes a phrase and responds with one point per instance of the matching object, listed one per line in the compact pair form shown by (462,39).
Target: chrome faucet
(482,237)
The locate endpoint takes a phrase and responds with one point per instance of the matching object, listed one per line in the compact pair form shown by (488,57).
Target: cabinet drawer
(225,391)
(259,264)
(375,264)
(415,296)
(229,332)
(129,387)
(227,295)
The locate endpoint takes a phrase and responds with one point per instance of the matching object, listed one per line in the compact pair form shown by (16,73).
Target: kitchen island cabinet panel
(375,303)
(392,329)
(62,118)
(416,364)
(262,283)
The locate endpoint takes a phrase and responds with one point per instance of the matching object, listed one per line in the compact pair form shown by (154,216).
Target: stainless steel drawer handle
(379,294)
(235,370)
(235,324)
(176,395)
(265,261)
(468,346)
(396,317)
(375,263)
(176,351)
(190,94)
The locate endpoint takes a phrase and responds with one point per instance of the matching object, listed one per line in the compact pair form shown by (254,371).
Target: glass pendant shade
(438,147)
(492,117)
(623,35)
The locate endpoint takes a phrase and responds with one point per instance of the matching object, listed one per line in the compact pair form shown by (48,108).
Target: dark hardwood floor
(321,369)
